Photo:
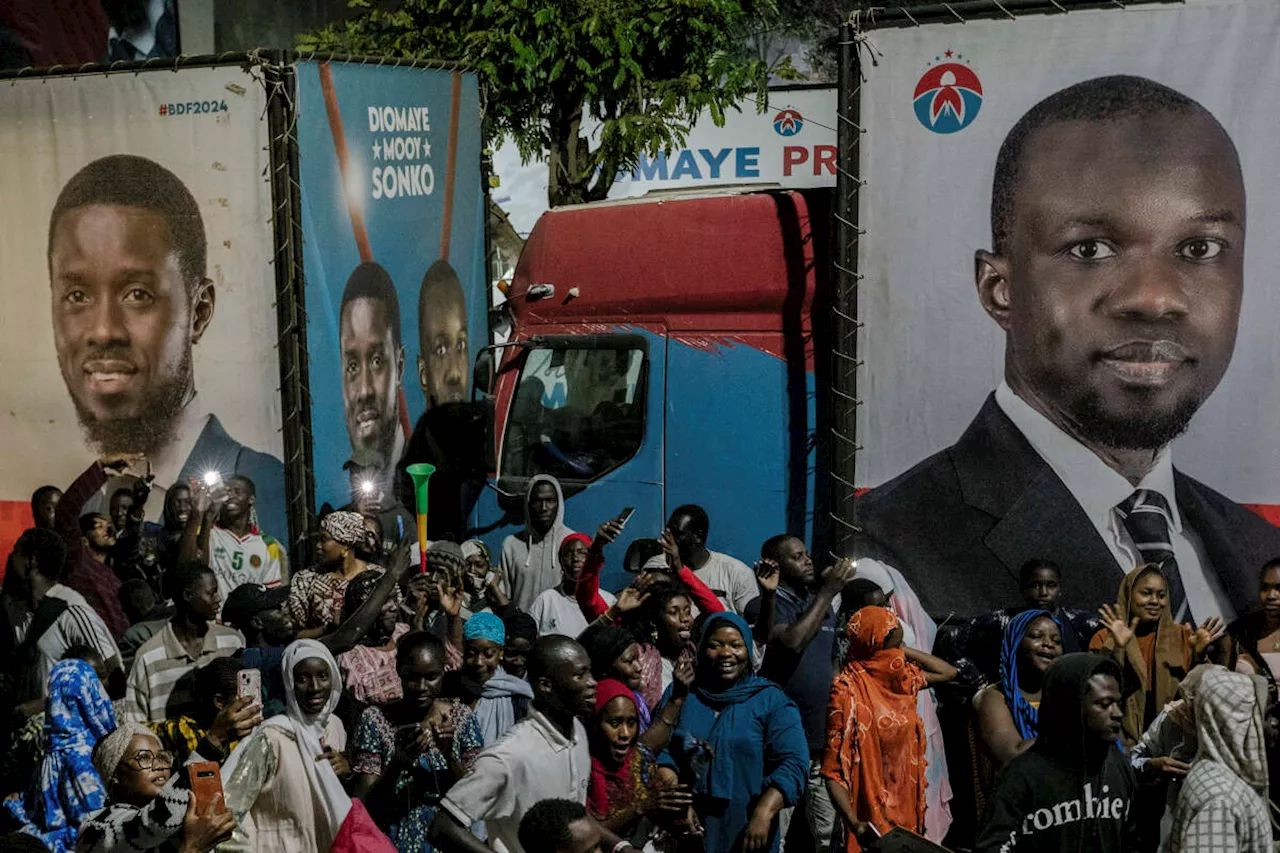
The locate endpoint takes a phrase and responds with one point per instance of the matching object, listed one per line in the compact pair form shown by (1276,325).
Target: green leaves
(644,68)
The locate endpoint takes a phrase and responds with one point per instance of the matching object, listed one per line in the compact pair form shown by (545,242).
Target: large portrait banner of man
(1071,238)
(396,288)
(137,318)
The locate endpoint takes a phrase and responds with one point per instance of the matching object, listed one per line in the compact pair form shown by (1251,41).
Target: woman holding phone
(407,754)
(282,782)
(145,809)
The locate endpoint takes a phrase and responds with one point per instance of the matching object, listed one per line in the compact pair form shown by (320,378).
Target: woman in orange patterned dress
(874,762)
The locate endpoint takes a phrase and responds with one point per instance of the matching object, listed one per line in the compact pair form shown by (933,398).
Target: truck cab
(663,353)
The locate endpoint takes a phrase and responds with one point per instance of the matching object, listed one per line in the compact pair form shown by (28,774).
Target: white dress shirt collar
(1095,485)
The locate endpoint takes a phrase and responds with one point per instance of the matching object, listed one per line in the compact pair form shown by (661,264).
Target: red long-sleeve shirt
(85,574)
(594,606)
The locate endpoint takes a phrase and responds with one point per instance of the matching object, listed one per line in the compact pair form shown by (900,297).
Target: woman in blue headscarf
(739,744)
(496,698)
(1007,713)
(67,789)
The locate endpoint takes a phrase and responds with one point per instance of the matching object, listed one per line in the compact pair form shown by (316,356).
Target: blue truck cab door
(587,409)
(740,438)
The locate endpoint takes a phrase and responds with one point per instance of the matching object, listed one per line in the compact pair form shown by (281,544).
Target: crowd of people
(175,687)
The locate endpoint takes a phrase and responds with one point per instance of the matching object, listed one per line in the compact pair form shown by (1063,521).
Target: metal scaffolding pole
(844,349)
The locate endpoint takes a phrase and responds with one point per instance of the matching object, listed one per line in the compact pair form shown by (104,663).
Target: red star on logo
(948,54)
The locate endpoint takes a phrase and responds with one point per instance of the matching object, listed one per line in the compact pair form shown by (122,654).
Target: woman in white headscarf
(282,782)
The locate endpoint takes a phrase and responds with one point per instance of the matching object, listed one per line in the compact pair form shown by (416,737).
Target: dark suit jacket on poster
(961,523)
(217,450)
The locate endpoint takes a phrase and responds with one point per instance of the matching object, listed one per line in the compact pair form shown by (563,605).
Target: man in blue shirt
(799,620)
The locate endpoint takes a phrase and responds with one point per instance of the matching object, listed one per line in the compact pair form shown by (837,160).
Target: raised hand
(629,599)
(607,533)
(768,573)
(672,552)
(1209,631)
(1121,630)
(835,578)
(236,721)
(682,676)
(451,595)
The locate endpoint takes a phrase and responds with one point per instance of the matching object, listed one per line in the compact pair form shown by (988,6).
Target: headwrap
(604,645)
(485,626)
(520,626)
(1169,666)
(723,706)
(1182,710)
(610,789)
(1025,717)
(332,802)
(446,555)
(919,631)
(472,547)
(572,537)
(110,751)
(359,589)
(347,528)
(873,700)
(66,788)
(1229,708)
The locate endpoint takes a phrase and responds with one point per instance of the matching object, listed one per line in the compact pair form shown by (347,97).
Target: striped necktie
(1147,517)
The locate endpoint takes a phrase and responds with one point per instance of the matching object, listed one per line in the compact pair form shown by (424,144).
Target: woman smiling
(739,744)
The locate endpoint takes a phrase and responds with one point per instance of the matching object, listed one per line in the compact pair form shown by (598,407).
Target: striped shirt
(78,625)
(161,683)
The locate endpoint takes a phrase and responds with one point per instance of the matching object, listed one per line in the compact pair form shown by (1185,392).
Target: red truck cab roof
(705,261)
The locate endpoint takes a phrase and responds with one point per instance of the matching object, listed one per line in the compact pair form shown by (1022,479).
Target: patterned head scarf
(443,554)
(110,751)
(1229,707)
(1025,717)
(472,547)
(79,712)
(346,528)
(868,630)
(485,626)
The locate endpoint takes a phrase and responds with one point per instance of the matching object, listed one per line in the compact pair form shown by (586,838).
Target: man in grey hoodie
(530,561)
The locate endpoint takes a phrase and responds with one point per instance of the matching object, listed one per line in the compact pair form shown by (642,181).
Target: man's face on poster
(124,322)
(1120,285)
(444,356)
(371,370)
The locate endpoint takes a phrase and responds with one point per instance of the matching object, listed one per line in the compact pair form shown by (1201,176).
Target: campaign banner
(138,312)
(792,143)
(394,261)
(1095,278)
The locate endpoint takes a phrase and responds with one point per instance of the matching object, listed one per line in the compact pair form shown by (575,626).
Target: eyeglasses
(145,759)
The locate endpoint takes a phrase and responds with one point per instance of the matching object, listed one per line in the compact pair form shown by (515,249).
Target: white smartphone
(249,683)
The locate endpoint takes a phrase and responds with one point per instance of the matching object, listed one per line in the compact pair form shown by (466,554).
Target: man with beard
(372,367)
(444,357)
(1118,224)
(130,294)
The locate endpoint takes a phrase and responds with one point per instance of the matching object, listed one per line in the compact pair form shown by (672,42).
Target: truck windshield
(577,413)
